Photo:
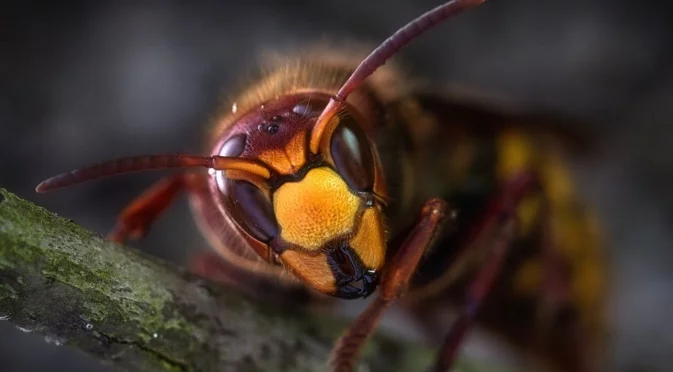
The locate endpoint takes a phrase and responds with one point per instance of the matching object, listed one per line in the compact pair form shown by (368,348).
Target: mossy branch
(140,313)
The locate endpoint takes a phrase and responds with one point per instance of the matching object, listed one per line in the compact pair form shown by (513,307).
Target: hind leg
(551,294)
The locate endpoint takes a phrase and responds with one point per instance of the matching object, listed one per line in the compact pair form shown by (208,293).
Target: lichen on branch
(140,313)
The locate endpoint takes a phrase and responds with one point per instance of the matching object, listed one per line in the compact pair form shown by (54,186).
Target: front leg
(500,220)
(394,282)
(136,219)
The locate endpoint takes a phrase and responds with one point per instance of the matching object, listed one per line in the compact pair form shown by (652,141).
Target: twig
(140,313)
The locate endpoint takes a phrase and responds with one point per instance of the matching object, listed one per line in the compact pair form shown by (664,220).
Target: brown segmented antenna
(142,163)
(378,58)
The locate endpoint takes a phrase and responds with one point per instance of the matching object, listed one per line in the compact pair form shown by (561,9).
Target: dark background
(91,80)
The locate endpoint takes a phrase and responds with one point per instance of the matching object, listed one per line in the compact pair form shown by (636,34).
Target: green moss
(123,299)
(55,248)
(7,291)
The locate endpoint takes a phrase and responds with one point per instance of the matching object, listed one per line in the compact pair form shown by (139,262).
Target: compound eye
(352,155)
(251,210)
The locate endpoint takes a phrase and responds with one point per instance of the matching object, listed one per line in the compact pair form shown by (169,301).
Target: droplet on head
(234,108)
(268,128)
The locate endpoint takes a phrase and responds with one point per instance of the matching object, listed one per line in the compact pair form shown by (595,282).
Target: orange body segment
(290,159)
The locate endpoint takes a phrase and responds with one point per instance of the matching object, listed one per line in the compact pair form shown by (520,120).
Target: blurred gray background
(83,81)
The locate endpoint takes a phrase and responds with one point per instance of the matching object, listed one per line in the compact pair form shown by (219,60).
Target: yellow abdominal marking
(574,229)
(516,155)
(316,209)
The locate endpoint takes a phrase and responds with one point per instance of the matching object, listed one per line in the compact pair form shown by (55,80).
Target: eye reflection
(232,147)
(352,155)
(310,108)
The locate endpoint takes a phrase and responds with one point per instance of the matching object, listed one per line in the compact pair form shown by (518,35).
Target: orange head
(318,214)
(299,177)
